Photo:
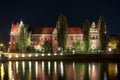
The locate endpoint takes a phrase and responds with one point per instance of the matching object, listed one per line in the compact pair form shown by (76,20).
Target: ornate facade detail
(40,35)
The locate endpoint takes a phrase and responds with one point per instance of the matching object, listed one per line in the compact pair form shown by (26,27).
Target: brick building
(41,34)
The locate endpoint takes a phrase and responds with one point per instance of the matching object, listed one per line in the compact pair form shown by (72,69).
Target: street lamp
(109,49)
(1,45)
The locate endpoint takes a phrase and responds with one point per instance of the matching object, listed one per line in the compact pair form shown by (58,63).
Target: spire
(58,24)
(21,22)
(93,25)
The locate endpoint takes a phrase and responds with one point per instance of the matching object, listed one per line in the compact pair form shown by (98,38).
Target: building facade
(14,33)
(42,34)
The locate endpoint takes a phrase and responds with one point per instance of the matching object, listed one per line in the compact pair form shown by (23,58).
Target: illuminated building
(14,34)
(41,34)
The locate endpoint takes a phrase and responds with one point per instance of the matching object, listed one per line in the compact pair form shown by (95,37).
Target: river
(59,70)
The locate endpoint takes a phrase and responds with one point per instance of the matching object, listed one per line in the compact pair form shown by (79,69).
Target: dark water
(59,70)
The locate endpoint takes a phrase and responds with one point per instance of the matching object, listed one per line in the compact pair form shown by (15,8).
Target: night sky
(41,13)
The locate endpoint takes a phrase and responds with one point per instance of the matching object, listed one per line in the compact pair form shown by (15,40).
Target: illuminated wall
(94,37)
(40,35)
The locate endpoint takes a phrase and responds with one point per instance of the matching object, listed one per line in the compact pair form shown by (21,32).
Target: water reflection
(2,72)
(61,68)
(10,70)
(112,71)
(49,67)
(29,73)
(17,66)
(58,70)
(36,69)
(23,67)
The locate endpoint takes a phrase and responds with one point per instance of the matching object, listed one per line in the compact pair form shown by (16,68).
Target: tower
(94,37)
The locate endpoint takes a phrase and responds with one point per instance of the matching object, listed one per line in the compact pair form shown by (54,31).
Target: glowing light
(23,55)
(89,70)
(93,67)
(2,72)
(43,64)
(16,56)
(1,45)
(36,67)
(17,66)
(55,67)
(23,67)
(10,70)
(73,65)
(61,68)
(61,53)
(59,48)
(30,55)
(30,66)
(109,49)
(73,51)
(55,54)
(116,68)
(49,54)
(10,56)
(36,55)
(49,67)
(42,54)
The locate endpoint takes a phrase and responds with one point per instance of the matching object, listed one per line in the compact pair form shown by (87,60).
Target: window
(78,38)
(41,38)
(71,38)
(96,37)
(74,38)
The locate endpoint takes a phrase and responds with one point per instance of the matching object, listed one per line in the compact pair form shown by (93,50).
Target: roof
(75,30)
(14,28)
(49,30)
(45,30)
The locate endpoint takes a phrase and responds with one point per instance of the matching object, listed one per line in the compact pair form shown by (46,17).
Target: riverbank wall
(61,57)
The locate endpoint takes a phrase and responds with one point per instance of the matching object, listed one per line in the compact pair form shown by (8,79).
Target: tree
(47,46)
(86,27)
(23,38)
(77,47)
(112,43)
(102,33)
(62,32)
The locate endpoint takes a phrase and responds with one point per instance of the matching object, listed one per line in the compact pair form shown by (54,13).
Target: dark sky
(39,13)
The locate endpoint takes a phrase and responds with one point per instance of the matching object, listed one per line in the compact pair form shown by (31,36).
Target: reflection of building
(42,34)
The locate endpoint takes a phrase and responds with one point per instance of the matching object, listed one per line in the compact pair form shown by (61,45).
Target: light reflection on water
(49,67)
(29,73)
(36,69)
(10,70)
(2,72)
(59,70)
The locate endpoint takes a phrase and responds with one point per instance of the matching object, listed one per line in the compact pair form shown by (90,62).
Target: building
(15,34)
(41,34)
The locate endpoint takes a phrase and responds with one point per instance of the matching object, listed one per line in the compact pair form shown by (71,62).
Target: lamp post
(1,45)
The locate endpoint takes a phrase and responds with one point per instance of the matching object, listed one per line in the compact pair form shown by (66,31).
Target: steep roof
(14,28)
